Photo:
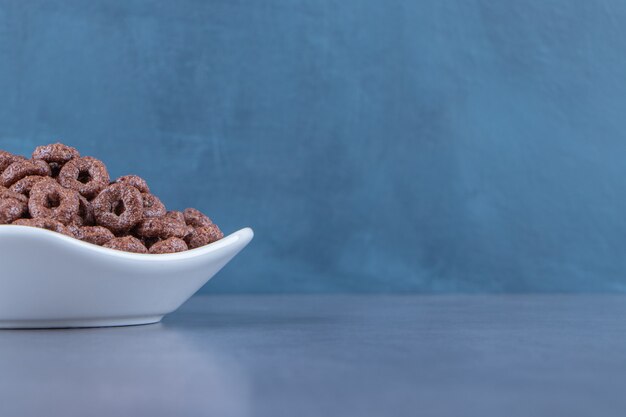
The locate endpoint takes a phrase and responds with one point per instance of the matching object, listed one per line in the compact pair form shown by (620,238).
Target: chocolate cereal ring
(118,207)
(21,169)
(176,216)
(127,244)
(134,181)
(50,200)
(57,153)
(10,210)
(7,158)
(24,185)
(6,193)
(74,230)
(45,223)
(196,218)
(162,227)
(152,206)
(86,175)
(85,216)
(97,235)
(202,236)
(171,245)
(179,217)
(12,206)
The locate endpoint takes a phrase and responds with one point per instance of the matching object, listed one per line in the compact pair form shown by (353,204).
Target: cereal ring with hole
(57,153)
(171,245)
(203,236)
(48,199)
(21,169)
(161,227)
(134,181)
(118,207)
(45,223)
(97,235)
(85,216)
(152,206)
(24,185)
(126,244)
(196,218)
(7,158)
(86,175)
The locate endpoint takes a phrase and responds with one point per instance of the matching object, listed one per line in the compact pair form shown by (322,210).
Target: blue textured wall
(373,145)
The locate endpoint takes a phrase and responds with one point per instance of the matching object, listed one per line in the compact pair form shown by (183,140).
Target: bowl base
(78,323)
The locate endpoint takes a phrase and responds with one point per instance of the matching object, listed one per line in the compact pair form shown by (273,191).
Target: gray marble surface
(331,356)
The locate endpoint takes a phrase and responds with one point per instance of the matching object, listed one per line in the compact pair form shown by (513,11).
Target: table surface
(331,356)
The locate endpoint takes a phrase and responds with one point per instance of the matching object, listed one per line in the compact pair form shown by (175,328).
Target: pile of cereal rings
(59,190)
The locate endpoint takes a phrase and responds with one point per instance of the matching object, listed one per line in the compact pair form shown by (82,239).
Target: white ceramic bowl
(51,280)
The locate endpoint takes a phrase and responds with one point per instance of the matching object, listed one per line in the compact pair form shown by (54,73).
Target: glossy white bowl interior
(51,280)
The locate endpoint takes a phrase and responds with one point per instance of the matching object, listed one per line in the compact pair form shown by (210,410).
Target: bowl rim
(241,236)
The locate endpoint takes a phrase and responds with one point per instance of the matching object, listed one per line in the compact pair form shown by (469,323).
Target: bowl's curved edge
(238,239)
